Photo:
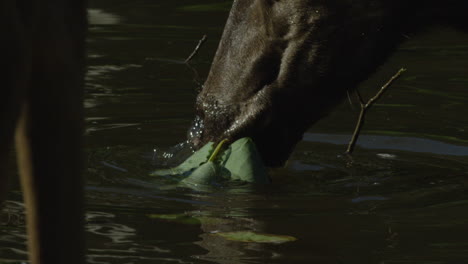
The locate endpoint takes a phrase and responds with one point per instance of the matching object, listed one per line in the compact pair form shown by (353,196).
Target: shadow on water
(403,199)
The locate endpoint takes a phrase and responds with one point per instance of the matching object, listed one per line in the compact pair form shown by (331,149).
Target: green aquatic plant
(253,237)
(176,218)
(213,165)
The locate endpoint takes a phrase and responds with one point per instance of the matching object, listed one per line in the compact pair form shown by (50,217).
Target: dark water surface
(404,199)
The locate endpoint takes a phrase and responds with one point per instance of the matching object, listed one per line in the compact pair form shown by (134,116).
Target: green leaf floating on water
(208,173)
(193,162)
(252,237)
(176,218)
(209,165)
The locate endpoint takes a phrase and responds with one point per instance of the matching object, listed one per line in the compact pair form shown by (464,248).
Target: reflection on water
(402,200)
(100,70)
(12,233)
(411,144)
(100,17)
(120,239)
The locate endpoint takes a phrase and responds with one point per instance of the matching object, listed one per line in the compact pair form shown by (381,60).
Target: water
(402,199)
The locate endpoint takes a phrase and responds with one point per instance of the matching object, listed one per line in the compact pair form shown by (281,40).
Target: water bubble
(196,129)
(172,156)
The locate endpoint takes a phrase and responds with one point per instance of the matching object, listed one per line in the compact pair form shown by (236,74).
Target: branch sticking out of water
(197,48)
(366,106)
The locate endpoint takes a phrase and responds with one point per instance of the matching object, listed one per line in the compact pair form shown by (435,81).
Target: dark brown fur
(284,64)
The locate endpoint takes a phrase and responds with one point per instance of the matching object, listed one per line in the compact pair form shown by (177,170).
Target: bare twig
(365,106)
(349,100)
(196,77)
(197,48)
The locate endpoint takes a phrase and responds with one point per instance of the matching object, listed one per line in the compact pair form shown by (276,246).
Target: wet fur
(283,65)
